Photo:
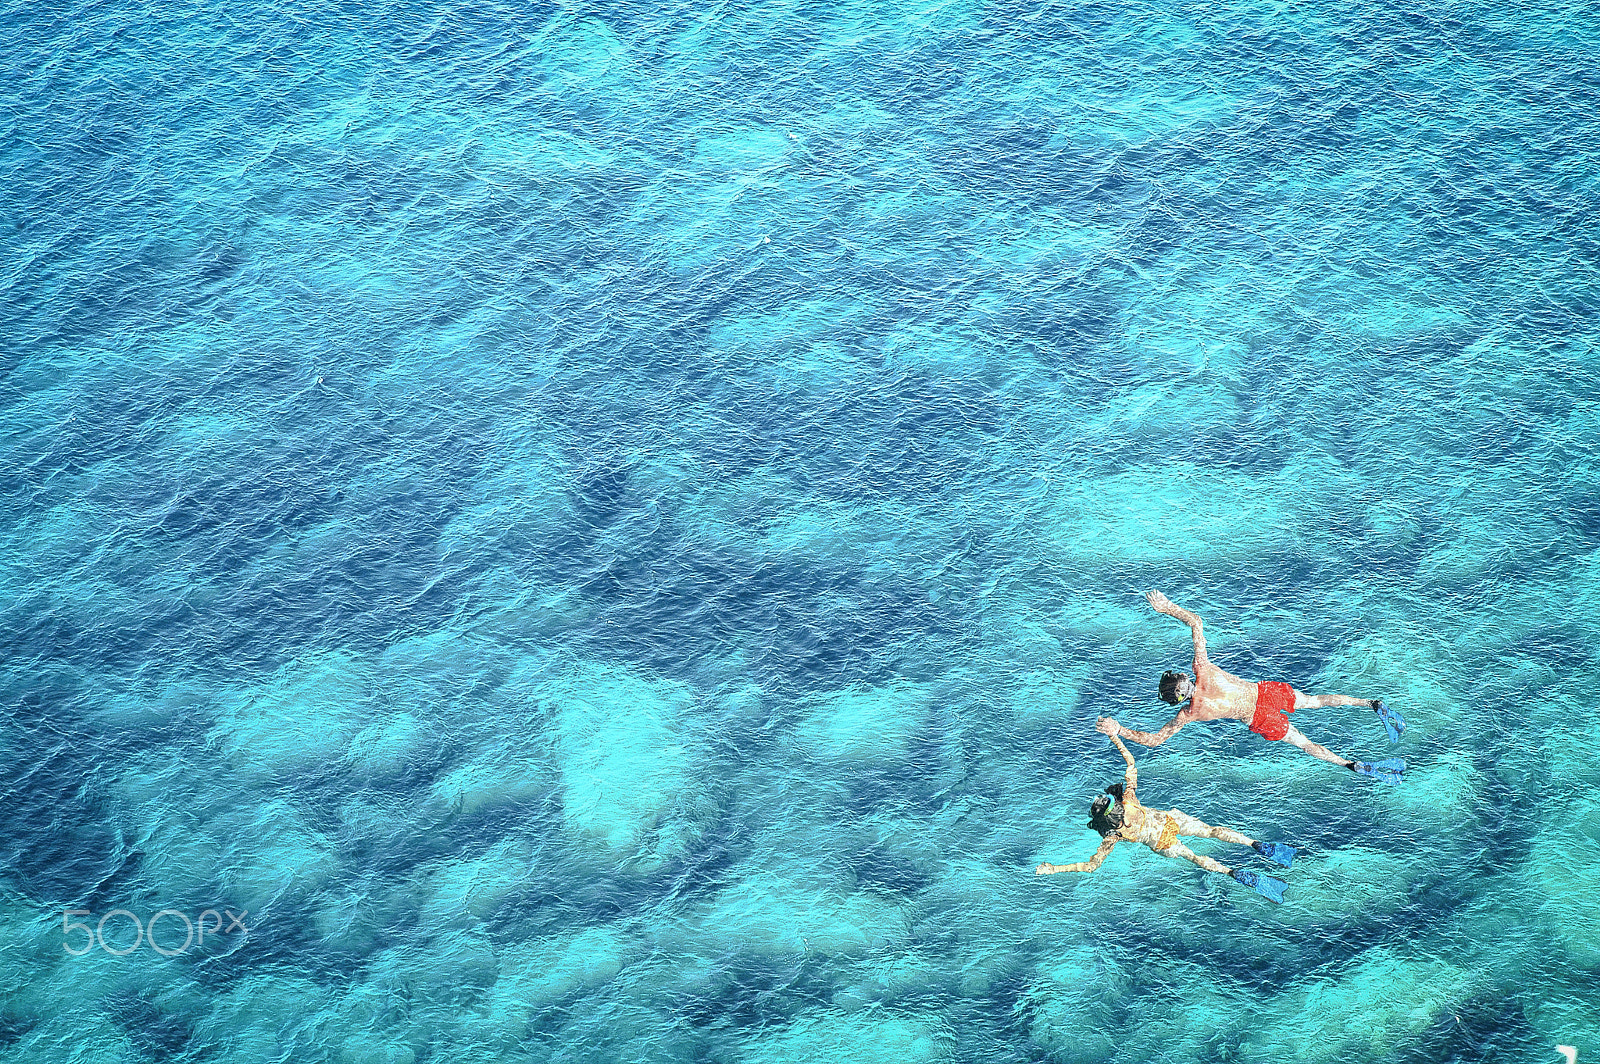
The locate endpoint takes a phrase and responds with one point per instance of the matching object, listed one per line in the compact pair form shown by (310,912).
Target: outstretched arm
(1080,866)
(1131,777)
(1161,604)
(1144,738)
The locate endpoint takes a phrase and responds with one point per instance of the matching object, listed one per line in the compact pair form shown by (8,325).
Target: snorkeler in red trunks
(1217,694)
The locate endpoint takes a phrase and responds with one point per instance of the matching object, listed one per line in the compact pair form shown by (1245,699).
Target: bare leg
(1305,701)
(1188,825)
(1393,723)
(1178,849)
(1321,753)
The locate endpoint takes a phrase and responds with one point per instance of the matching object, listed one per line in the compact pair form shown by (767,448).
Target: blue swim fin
(1266,886)
(1276,852)
(1389,770)
(1391,720)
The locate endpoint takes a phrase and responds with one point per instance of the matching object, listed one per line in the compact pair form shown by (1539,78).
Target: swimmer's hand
(1044,870)
(1108,726)
(1157,600)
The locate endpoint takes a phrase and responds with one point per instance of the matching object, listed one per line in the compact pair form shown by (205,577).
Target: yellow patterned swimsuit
(1169,833)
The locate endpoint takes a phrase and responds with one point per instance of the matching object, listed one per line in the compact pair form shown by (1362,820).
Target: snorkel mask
(1100,811)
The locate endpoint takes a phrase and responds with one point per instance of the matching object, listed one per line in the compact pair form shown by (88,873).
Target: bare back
(1137,823)
(1219,695)
(1156,828)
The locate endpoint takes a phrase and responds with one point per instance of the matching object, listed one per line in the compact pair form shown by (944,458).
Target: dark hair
(1169,685)
(1102,817)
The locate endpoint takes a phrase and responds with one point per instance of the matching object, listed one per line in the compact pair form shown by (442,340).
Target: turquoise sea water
(603,530)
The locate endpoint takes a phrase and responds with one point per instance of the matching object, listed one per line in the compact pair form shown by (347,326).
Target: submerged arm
(1131,777)
(1161,604)
(1144,738)
(1081,866)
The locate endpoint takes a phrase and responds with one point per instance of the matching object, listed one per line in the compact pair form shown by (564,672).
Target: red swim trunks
(1273,700)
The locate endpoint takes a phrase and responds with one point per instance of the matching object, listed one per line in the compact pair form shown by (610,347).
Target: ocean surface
(567,532)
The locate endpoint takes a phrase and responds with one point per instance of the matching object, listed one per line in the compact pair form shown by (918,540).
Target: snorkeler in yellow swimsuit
(1118,816)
